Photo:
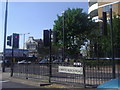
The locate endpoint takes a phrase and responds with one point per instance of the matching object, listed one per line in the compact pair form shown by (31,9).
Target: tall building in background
(96,8)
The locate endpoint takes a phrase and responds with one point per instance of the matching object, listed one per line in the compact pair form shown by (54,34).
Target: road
(10,84)
(6,83)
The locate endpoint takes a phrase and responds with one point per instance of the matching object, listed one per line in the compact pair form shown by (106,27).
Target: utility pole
(5,30)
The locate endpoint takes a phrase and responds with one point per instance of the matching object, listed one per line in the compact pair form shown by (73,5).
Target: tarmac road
(10,84)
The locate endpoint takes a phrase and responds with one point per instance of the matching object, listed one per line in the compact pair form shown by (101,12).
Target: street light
(63,56)
(5,31)
(24,39)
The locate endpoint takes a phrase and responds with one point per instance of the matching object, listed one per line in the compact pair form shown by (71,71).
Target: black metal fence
(99,71)
(88,72)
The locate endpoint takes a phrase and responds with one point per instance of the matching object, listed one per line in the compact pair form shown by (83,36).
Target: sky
(33,17)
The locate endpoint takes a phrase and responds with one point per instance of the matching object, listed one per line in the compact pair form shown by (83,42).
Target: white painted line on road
(4,81)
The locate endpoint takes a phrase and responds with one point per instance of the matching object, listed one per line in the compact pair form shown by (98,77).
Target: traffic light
(55,36)
(46,38)
(15,40)
(9,40)
(104,24)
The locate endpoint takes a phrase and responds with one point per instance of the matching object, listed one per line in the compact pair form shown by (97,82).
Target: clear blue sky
(33,17)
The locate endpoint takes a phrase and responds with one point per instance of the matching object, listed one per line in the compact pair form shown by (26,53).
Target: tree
(116,35)
(77,27)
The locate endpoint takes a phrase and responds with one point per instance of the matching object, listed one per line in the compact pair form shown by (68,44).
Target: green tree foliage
(116,35)
(116,28)
(77,27)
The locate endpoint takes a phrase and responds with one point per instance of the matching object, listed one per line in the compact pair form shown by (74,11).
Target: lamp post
(5,30)
(24,39)
(63,51)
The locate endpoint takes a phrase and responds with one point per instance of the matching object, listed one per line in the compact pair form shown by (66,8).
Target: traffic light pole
(12,63)
(109,9)
(5,30)
(112,44)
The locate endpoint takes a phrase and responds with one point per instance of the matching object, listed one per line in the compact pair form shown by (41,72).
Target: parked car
(1,61)
(43,61)
(24,62)
(77,64)
(57,61)
(112,84)
(6,62)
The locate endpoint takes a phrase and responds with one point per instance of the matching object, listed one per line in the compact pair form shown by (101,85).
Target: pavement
(7,81)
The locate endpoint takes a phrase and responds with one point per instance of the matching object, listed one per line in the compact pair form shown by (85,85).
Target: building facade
(93,10)
(96,7)
(32,45)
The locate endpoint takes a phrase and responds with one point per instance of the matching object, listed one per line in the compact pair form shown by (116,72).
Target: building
(16,53)
(95,8)
(115,7)
(32,45)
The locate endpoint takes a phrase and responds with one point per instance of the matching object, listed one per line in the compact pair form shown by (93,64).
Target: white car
(78,64)
(1,61)
(24,62)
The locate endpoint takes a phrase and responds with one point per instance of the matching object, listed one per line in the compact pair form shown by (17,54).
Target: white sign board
(72,70)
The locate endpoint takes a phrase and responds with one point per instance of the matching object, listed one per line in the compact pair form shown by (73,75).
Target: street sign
(72,70)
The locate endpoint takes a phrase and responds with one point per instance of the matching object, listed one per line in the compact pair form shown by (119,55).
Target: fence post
(84,78)
(12,61)
(27,68)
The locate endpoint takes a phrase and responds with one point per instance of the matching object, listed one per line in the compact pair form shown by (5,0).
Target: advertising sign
(72,70)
